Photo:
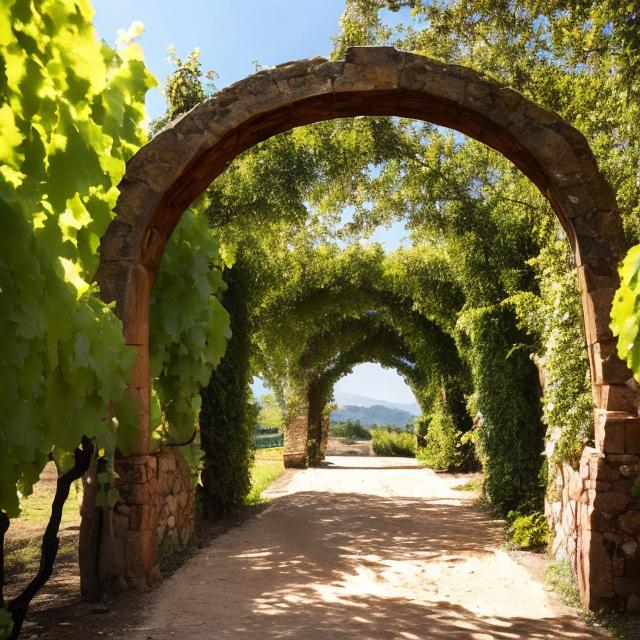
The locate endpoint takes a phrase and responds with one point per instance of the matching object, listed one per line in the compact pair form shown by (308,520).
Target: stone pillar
(295,438)
(129,538)
(324,434)
(175,500)
(609,539)
(156,510)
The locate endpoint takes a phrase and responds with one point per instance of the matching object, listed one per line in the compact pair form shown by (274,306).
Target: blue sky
(231,34)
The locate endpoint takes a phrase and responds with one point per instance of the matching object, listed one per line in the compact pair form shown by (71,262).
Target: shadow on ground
(315,549)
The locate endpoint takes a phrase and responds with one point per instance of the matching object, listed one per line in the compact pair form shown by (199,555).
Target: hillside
(376,414)
(353,399)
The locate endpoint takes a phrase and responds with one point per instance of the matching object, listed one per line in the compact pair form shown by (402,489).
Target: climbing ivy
(228,416)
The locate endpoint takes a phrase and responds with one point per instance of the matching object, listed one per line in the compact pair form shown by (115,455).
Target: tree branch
(50,542)
(4,526)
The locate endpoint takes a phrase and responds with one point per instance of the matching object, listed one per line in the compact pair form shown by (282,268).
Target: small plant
(528,531)
(474,485)
(560,577)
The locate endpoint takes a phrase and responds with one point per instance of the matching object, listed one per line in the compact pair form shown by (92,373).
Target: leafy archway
(172,170)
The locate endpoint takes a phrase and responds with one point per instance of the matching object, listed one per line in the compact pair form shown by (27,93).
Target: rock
(630,522)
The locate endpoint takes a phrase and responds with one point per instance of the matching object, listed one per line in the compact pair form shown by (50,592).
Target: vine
(71,111)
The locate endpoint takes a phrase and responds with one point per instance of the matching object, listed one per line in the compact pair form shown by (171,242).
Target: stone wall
(176,500)
(156,509)
(563,508)
(594,518)
(295,438)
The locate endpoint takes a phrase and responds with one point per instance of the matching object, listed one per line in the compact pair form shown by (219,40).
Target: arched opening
(174,169)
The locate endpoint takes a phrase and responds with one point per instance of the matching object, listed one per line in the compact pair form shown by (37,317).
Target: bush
(446,447)
(351,429)
(528,531)
(388,442)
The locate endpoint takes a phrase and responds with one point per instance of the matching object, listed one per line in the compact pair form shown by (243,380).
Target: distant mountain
(353,399)
(376,414)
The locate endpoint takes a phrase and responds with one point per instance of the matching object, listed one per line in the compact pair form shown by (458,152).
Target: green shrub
(528,531)
(351,429)
(227,415)
(446,447)
(387,442)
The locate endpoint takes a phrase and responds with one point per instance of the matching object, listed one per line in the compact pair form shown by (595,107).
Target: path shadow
(310,544)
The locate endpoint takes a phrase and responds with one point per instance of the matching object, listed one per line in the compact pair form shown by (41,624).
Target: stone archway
(170,172)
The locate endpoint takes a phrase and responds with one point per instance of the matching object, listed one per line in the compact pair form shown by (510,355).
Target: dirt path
(365,548)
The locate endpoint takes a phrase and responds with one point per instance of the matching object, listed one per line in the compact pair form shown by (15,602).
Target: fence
(267,438)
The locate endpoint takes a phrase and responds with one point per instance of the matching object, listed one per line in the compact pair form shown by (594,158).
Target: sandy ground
(345,447)
(363,548)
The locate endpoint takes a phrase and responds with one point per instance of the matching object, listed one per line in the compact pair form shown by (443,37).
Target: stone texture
(295,438)
(157,508)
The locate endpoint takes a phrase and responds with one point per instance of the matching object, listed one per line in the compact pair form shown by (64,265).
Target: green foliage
(270,413)
(184,88)
(227,417)
(625,314)
(267,468)
(351,429)
(560,576)
(189,327)
(528,531)
(506,403)
(554,316)
(388,442)
(6,624)
(70,111)
(446,448)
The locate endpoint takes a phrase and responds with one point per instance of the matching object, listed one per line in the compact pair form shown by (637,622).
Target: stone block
(600,569)
(614,437)
(630,522)
(633,437)
(632,568)
(154,577)
(617,566)
(612,502)
(295,460)
(616,397)
(138,493)
(137,583)
(633,604)
(607,366)
(626,586)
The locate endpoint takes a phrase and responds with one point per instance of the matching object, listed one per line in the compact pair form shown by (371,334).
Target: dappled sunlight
(328,561)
